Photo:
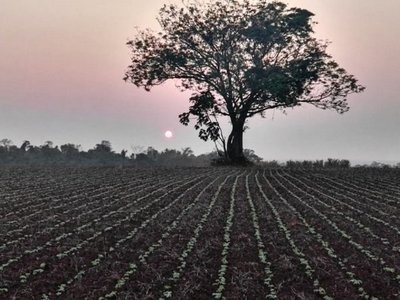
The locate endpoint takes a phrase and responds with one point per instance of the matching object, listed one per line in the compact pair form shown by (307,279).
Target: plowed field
(199,233)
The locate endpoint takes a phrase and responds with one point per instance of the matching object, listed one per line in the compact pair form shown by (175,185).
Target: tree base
(238,162)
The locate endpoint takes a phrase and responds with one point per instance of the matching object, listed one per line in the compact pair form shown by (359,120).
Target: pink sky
(62,63)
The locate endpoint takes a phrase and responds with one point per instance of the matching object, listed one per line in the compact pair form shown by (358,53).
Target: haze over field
(62,63)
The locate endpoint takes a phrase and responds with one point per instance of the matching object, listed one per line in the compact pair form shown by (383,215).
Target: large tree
(240,59)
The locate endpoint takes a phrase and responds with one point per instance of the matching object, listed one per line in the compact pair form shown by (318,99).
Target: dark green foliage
(203,108)
(330,163)
(101,155)
(104,146)
(67,154)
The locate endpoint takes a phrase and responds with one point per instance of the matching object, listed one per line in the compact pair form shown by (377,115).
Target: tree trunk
(235,144)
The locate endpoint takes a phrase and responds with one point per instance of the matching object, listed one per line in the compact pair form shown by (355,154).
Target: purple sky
(62,63)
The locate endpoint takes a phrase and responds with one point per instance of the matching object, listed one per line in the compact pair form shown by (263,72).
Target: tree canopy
(240,59)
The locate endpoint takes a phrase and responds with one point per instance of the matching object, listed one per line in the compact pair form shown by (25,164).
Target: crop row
(200,233)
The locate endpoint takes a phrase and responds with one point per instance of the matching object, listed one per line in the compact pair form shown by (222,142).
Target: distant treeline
(330,163)
(103,154)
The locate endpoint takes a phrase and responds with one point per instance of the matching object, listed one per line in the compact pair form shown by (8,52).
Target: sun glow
(168,134)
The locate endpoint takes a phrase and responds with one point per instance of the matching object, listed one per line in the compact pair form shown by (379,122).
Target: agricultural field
(199,233)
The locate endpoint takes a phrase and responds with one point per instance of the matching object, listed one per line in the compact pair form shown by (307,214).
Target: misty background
(62,63)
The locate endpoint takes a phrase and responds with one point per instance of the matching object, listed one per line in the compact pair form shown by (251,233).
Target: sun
(168,134)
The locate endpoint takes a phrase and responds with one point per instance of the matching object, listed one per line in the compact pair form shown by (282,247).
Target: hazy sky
(62,63)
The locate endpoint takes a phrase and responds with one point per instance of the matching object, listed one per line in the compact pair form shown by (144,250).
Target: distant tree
(307,164)
(33,150)
(14,153)
(152,154)
(123,153)
(47,144)
(291,164)
(48,151)
(70,149)
(273,164)
(187,152)
(252,156)
(4,146)
(170,157)
(136,150)
(318,164)
(104,146)
(102,154)
(25,146)
(143,158)
(331,163)
(344,164)
(376,164)
(240,58)
(5,143)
